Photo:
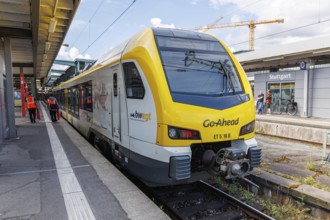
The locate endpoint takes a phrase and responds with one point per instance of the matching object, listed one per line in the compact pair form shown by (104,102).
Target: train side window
(115,85)
(76,100)
(70,100)
(133,82)
(60,98)
(88,98)
(62,104)
(81,96)
(73,99)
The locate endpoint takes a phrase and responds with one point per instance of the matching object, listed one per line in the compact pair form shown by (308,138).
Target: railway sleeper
(173,190)
(180,199)
(229,215)
(206,209)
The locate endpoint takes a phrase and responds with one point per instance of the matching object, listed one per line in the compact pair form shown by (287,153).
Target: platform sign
(303,65)
(291,76)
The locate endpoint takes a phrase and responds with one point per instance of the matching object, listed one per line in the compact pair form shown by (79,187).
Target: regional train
(168,105)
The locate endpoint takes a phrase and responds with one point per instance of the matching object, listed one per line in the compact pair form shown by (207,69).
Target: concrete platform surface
(296,166)
(313,130)
(51,172)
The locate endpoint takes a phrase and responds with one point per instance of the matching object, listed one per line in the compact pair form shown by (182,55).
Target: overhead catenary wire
(89,21)
(110,25)
(281,32)
(240,9)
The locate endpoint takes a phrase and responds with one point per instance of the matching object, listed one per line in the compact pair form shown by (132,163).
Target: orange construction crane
(209,26)
(250,24)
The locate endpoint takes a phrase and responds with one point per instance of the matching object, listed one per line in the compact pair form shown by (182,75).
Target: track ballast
(201,200)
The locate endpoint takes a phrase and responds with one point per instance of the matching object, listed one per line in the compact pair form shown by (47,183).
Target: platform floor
(296,120)
(50,172)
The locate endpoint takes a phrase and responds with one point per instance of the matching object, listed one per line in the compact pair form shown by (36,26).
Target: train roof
(115,54)
(180,33)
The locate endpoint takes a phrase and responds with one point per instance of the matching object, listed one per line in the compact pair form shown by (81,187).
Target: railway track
(197,201)
(201,200)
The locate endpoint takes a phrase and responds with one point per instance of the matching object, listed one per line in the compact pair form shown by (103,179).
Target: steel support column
(21,81)
(307,89)
(3,121)
(9,93)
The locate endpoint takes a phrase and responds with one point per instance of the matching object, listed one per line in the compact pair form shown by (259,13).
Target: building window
(282,94)
(133,82)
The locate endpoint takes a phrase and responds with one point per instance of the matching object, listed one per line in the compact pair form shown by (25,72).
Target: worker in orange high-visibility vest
(89,103)
(52,107)
(31,106)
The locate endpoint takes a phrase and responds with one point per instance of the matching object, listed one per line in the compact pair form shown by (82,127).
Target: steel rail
(258,214)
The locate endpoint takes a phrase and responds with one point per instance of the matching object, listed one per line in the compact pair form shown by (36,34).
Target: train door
(116,114)
(118,108)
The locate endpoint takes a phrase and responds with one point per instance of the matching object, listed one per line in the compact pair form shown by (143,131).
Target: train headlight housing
(248,128)
(183,134)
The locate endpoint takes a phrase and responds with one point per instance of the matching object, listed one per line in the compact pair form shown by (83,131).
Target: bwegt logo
(220,122)
(140,116)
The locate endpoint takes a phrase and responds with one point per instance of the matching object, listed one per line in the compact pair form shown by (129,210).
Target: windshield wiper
(227,75)
(191,58)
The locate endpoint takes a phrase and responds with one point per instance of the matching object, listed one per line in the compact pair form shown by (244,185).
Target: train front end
(207,116)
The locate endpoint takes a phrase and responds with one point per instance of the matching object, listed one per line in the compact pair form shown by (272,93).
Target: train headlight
(183,134)
(248,128)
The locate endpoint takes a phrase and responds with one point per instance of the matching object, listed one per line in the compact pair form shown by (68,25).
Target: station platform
(50,172)
(313,130)
(294,159)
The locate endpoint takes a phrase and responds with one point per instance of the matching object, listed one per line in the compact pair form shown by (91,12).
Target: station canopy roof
(286,56)
(37,29)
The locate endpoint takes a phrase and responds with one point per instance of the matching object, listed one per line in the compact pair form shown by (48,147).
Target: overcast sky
(94,16)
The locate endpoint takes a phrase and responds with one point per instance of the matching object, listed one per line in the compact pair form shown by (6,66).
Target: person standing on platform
(268,101)
(260,102)
(31,106)
(52,107)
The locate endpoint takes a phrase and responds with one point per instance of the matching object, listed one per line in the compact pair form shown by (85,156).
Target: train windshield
(198,67)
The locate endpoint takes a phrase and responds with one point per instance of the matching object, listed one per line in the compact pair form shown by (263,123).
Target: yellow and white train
(167,105)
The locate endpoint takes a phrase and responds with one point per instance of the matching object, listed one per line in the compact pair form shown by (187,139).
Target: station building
(298,70)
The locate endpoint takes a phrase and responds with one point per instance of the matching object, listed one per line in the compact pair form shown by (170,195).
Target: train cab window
(198,67)
(133,82)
